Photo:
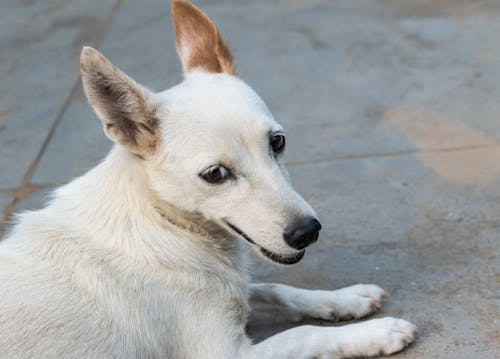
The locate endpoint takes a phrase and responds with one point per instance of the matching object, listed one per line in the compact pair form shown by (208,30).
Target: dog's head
(209,145)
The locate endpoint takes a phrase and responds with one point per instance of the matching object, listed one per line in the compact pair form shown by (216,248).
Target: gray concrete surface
(392,112)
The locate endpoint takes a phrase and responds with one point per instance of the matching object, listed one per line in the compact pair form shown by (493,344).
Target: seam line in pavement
(387,154)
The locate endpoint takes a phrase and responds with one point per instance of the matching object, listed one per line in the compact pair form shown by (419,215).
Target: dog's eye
(277,143)
(215,174)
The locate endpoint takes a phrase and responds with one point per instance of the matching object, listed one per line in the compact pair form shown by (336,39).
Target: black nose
(303,233)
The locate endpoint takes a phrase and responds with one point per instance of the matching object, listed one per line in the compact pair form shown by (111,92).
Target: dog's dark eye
(215,174)
(278,143)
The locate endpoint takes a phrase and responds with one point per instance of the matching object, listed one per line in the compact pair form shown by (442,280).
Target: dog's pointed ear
(199,43)
(126,109)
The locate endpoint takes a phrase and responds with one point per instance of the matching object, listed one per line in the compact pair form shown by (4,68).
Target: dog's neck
(114,207)
(192,223)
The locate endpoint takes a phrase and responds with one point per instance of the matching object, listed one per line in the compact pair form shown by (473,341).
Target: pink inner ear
(198,40)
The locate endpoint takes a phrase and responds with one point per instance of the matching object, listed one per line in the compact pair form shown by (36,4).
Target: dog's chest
(185,314)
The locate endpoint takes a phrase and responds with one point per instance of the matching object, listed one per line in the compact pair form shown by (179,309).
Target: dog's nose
(303,233)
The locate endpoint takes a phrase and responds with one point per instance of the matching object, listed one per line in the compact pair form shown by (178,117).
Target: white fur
(353,302)
(135,258)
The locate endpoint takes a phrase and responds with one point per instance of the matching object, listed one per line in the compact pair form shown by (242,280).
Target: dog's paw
(353,302)
(378,337)
(358,301)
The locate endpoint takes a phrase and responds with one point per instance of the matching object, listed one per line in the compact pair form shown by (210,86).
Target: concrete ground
(392,112)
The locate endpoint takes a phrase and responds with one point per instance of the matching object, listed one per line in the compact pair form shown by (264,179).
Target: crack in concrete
(41,186)
(27,188)
(388,154)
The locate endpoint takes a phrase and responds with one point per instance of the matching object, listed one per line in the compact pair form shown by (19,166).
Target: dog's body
(72,292)
(143,256)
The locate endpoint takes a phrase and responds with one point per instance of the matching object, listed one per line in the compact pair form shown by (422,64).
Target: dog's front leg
(371,338)
(355,302)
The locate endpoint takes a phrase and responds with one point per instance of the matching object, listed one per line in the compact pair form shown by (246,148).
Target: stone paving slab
(38,68)
(77,145)
(432,245)
(370,61)
(139,28)
(35,201)
(341,66)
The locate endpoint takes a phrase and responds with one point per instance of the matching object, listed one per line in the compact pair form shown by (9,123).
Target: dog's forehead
(225,119)
(217,99)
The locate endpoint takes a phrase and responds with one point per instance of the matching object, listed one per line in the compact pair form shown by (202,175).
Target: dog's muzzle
(278,258)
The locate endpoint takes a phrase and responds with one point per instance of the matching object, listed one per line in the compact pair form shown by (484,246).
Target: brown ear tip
(179,4)
(194,29)
(184,9)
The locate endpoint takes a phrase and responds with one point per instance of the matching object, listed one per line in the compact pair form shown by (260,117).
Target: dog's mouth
(275,257)
(278,258)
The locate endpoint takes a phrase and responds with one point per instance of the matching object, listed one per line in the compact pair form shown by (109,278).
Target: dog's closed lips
(283,259)
(278,258)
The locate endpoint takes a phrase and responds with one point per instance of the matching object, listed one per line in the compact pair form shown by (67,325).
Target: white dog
(142,257)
